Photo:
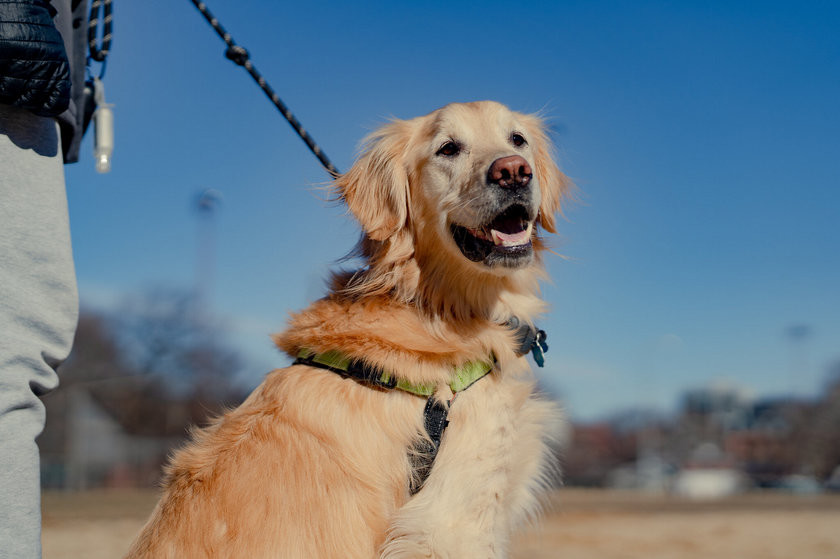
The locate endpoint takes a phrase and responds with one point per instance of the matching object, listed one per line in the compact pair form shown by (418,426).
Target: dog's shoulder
(395,337)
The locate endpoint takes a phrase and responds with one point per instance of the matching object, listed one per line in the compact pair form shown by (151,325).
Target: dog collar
(462,377)
(530,339)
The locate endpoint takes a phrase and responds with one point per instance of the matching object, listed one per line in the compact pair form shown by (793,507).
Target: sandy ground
(581,525)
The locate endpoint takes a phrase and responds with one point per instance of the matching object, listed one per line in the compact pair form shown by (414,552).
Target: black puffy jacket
(34,70)
(36,73)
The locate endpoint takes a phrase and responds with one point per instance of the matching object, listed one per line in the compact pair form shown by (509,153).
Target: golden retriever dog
(409,425)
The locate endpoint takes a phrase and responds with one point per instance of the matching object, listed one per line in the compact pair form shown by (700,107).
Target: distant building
(769,447)
(90,443)
(709,473)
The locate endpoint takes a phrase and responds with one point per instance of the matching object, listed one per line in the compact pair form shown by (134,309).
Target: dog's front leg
(461,511)
(429,528)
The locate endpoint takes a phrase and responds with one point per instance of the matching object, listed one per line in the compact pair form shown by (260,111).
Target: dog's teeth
(511,239)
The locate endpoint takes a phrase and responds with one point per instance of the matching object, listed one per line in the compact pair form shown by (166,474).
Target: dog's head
(469,183)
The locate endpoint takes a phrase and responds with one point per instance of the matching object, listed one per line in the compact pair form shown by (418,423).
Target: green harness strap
(462,377)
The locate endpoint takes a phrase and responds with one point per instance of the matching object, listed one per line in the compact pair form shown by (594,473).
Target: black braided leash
(97,52)
(240,56)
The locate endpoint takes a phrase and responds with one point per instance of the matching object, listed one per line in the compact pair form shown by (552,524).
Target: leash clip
(530,340)
(539,349)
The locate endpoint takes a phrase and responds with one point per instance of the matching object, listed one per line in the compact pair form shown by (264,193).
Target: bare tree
(146,372)
(166,334)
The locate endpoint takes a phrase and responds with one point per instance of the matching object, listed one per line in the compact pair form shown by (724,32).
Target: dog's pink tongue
(511,239)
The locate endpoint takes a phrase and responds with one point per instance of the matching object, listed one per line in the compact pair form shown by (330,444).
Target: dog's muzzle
(505,239)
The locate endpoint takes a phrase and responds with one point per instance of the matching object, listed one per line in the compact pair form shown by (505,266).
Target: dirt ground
(580,525)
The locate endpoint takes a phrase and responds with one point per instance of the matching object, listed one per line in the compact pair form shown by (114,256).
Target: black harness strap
(357,370)
(422,455)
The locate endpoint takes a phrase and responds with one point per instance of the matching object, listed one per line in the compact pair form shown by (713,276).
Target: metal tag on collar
(540,348)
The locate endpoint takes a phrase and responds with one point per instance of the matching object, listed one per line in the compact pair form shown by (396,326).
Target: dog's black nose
(510,172)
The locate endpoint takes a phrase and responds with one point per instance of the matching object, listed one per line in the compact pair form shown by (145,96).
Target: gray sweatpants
(38,312)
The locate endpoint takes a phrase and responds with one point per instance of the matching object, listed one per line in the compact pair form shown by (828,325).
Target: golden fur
(313,465)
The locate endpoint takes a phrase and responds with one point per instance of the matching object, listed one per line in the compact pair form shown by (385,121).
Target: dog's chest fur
(487,477)
(493,458)
(316,465)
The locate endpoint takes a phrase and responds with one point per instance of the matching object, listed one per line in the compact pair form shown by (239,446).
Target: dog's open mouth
(506,240)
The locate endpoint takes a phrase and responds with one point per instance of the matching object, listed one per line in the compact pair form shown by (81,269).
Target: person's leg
(38,312)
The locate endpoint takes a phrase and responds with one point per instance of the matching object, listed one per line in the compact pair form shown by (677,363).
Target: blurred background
(694,323)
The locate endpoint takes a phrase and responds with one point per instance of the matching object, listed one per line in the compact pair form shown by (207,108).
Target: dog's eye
(449,149)
(517,139)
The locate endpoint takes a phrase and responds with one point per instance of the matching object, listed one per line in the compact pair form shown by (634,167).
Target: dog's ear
(554,185)
(376,187)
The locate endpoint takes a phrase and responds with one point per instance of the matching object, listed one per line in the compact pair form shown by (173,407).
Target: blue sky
(704,138)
